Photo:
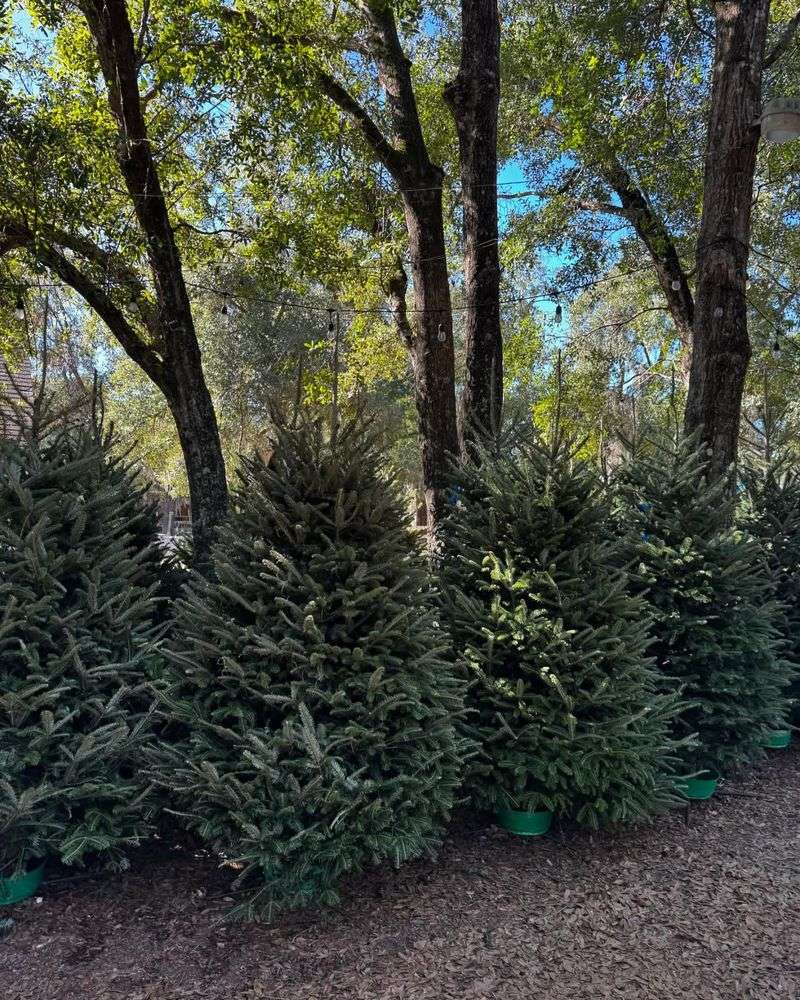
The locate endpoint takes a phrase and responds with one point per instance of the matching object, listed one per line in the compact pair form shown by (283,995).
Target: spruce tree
(161,571)
(77,645)
(311,702)
(714,611)
(771,514)
(565,706)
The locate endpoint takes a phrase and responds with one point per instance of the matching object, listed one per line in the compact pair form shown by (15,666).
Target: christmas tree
(311,702)
(161,571)
(76,649)
(566,707)
(772,515)
(712,601)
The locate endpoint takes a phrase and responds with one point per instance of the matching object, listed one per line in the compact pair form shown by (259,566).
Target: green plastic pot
(12,890)
(697,788)
(525,824)
(778,739)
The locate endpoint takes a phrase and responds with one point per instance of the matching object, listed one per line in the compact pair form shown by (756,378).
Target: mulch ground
(700,911)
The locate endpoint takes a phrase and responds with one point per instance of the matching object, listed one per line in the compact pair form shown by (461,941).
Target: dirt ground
(700,911)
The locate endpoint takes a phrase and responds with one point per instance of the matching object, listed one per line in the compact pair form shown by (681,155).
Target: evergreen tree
(565,704)
(160,571)
(76,648)
(772,515)
(712,601)
(310,685)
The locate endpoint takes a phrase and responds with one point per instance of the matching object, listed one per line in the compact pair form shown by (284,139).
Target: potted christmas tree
(76,648)
(565,706)
(311,701)
(772,514)
(715,617)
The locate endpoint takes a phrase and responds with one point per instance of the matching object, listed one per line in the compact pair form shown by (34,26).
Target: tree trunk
(430,337)
(431,347)
(182,379)
(474,100)
(721,343)
(193,412)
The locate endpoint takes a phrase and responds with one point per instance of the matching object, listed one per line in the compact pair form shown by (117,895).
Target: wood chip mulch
(707,909)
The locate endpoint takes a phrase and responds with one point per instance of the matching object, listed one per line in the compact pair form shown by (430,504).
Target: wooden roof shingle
(16,395)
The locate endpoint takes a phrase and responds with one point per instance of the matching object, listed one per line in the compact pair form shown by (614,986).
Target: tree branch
(407,160)
(142,33)
(396,286)
(394,72)
(114,265)
(652,231)
(784,41)
(391,158)
(99,300)
(19,236)
(604,207)
(697,26)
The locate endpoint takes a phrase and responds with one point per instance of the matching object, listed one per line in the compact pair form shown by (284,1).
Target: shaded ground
(709,910)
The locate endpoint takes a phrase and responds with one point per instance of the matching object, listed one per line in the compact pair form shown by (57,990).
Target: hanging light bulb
(441,334)
(19,308)
(676,285)
(559,314)
(718,312)
(776,347)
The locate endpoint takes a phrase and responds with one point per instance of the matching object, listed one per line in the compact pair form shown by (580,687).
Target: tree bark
(653,233)
(182,378)
(474,100)
(431,349)
(404,153)
(721,343)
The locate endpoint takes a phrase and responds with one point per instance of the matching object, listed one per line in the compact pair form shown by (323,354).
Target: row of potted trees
(584,648)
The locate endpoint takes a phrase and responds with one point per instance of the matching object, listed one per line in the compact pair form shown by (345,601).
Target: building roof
(16,394)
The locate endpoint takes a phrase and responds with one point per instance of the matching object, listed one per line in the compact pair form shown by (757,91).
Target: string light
(559,314)
(441,334)
(718,312)
(19,307)
(676,285)
(776,347)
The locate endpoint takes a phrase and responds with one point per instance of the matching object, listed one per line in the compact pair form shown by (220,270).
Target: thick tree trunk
(185,386)
(474,100)
(429,337)
(193,412)
(721,342)
(182,379)
(431,346)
